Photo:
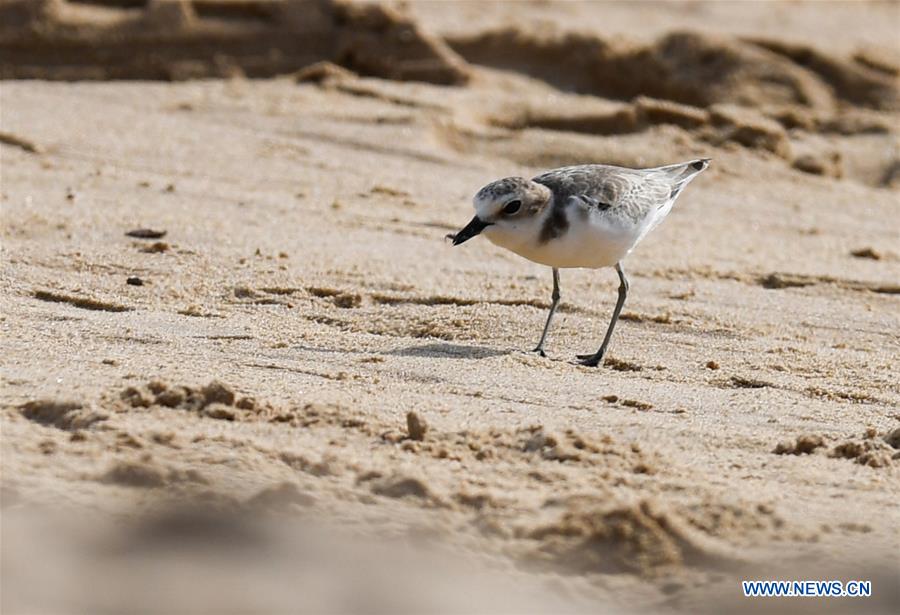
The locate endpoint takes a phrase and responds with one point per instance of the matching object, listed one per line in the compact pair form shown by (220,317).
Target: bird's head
(505,206)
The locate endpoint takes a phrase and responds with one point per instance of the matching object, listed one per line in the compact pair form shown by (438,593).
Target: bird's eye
(512,207)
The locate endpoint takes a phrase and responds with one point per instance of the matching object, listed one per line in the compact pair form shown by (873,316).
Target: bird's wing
(609,189)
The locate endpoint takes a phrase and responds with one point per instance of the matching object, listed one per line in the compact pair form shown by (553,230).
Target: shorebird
(585,216)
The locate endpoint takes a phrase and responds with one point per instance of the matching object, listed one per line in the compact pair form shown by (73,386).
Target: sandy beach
(290,354)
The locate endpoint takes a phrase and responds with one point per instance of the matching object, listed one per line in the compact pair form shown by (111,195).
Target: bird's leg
(555,302)
(592,360)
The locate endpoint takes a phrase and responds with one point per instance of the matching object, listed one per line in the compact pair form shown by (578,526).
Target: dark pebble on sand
(146,233)
(134,281)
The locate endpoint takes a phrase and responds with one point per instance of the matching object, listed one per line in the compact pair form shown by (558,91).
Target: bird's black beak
(472,228)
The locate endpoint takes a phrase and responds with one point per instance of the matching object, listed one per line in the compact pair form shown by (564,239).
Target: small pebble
(146,233)
(415,425)
(869,253)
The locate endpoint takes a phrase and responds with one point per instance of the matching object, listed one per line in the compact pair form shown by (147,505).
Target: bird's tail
(682,173)
(685,169)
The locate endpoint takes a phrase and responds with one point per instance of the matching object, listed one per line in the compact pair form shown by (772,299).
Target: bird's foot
(589,360)
(540,351)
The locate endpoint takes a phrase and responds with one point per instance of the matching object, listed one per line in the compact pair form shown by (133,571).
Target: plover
(587,216)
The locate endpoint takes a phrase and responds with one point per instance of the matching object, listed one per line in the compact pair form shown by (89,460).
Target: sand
(233,330)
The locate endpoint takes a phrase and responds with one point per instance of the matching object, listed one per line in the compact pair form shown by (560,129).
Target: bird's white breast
(591,242)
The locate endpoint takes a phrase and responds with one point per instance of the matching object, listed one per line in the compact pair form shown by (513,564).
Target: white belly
(599,243)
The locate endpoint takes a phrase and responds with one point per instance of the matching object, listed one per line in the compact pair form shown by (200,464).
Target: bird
(585,216)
